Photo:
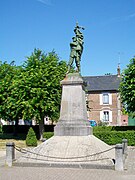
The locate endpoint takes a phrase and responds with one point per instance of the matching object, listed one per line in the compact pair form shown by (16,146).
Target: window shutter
(101,115)
(101,99)
(110,99)
(110,116)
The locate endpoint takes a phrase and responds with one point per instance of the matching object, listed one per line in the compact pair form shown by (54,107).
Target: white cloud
(120,18)
(46,2)
(125,18)
(130,16)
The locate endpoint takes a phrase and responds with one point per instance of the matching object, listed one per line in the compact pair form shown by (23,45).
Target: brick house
(103,100)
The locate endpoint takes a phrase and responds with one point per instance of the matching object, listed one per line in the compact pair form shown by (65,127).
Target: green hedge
(109,137)
(113,128)
(47,135)
(115,137)
(114,134)
(109,134)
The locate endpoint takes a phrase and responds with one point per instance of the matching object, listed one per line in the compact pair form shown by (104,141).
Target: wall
(95,107)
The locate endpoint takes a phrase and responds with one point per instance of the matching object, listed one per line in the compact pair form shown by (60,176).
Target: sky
(109,35)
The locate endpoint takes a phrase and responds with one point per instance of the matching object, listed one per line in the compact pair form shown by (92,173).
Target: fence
(120,155)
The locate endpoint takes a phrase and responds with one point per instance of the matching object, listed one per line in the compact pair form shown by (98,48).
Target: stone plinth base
(72,129)
(70,150)
(73,114)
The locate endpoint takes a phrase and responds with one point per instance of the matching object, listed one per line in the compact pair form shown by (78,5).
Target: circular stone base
(70,150)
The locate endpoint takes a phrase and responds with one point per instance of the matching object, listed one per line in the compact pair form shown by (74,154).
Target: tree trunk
(41,128)
(52,122)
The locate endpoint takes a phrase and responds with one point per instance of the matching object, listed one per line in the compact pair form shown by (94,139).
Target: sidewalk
(41,173)
(2,157)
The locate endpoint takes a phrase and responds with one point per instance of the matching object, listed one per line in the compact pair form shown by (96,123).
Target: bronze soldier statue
(76,48)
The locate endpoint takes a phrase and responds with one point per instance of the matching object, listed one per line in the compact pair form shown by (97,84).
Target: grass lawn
(20,143)
(19,140)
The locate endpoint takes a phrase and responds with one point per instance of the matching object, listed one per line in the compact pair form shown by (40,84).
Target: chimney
(118,70)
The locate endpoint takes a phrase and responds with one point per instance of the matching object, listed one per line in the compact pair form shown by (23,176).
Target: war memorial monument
(73,143)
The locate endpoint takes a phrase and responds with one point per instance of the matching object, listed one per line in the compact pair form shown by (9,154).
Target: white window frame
(102,115)
(106,116)
(105,98)
(109,98)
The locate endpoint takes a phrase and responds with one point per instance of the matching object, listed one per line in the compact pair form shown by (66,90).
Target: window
(105,115)
(105,98)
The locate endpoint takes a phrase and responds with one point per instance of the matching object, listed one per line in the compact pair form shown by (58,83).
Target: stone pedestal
(73,114)
(73,144)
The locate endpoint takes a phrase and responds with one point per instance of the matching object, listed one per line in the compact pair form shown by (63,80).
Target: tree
(9,104)
(39,86)
(33,90)
(127,87)
(31,139)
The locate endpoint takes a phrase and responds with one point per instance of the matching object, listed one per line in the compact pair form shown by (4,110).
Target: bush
(102,128)
(115,137)
(47,135)
(113,128)
(31,139)
(107,135)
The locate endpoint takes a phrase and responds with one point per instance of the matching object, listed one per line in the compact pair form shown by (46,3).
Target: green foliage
(102,123)
(113,128)
(102,128)
(31,139)
(48,135)
(127,87)
(33,90)
(115,137)
(114,134)
(39,85)
(108,135)
(10,108)
(1,129)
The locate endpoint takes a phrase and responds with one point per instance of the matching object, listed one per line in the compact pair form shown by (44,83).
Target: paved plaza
(46,173)
(41,173)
